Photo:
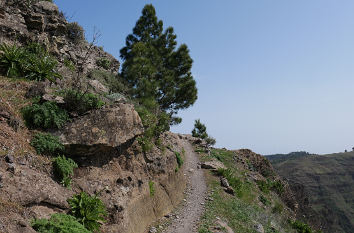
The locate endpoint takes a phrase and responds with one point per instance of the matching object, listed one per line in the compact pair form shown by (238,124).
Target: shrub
(151,188)
(210,141)
(64,169)
(277,208)
(75,32)
(103,62)
(39,64)
(79,102)
(11,60)
(58,223)
(154,120)
(264,200)
(301,227)
(45,143)
(264,185)
(88,210)
(179,159)
(235,182)
(47,115)
(41,68)
(278,187)
(33,62)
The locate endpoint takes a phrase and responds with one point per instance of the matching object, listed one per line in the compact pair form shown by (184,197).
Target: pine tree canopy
(155,68)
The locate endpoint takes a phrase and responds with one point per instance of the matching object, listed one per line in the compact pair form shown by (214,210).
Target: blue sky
(273,76)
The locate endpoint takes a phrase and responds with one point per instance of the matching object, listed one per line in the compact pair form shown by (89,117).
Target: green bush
(155,122)
(88,210)
(45,143)
(64,169)
(277,208)
(79,102)
(46,116)
(301,227)
(103,62)
(264,200)
(58,223)
(278,187)
(210,141)
(179,159)
(32,62)
(264,185)
(151,188)
(75,32)
(234,181)
(41,69)
(11,60)
(267,185)
(39,64)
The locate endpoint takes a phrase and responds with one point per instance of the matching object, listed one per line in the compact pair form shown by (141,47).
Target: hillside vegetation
(259,201)
(324,184)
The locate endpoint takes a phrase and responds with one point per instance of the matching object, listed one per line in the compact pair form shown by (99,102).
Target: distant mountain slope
(325,185)
(277,158)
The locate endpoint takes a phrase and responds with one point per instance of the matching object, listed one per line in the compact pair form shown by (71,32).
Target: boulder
(53,98)
(259,228)
(30,188)
(97,86)
(37,89)
(101,130)
(9,158)
(212,165)
(224,182)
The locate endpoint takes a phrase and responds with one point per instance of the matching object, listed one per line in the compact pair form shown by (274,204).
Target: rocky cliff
(103,142)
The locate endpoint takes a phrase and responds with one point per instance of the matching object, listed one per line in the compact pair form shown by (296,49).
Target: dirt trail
(188,216)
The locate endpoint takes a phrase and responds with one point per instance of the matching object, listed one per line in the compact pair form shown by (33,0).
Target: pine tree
(199,130)
(155,68)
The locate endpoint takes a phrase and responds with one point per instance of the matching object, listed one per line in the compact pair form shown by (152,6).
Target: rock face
(103,142)
(101,130)
(22,22)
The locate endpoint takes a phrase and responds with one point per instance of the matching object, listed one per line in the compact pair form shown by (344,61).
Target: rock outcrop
(22,22)
(103,142)
(101,131)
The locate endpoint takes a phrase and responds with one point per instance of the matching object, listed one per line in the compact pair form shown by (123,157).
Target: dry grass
(12,100)
(8,205)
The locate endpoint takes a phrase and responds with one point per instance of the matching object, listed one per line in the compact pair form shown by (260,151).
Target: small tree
(199,131)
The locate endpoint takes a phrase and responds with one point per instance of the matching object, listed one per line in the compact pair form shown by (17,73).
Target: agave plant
(12,59)
(41,68)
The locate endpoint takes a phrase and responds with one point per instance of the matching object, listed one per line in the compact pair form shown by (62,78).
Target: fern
(59,223)
(88,210)
(45,143)
(46,116)
(64,169)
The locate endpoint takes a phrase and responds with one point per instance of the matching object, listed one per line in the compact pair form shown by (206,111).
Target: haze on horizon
(272,76)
